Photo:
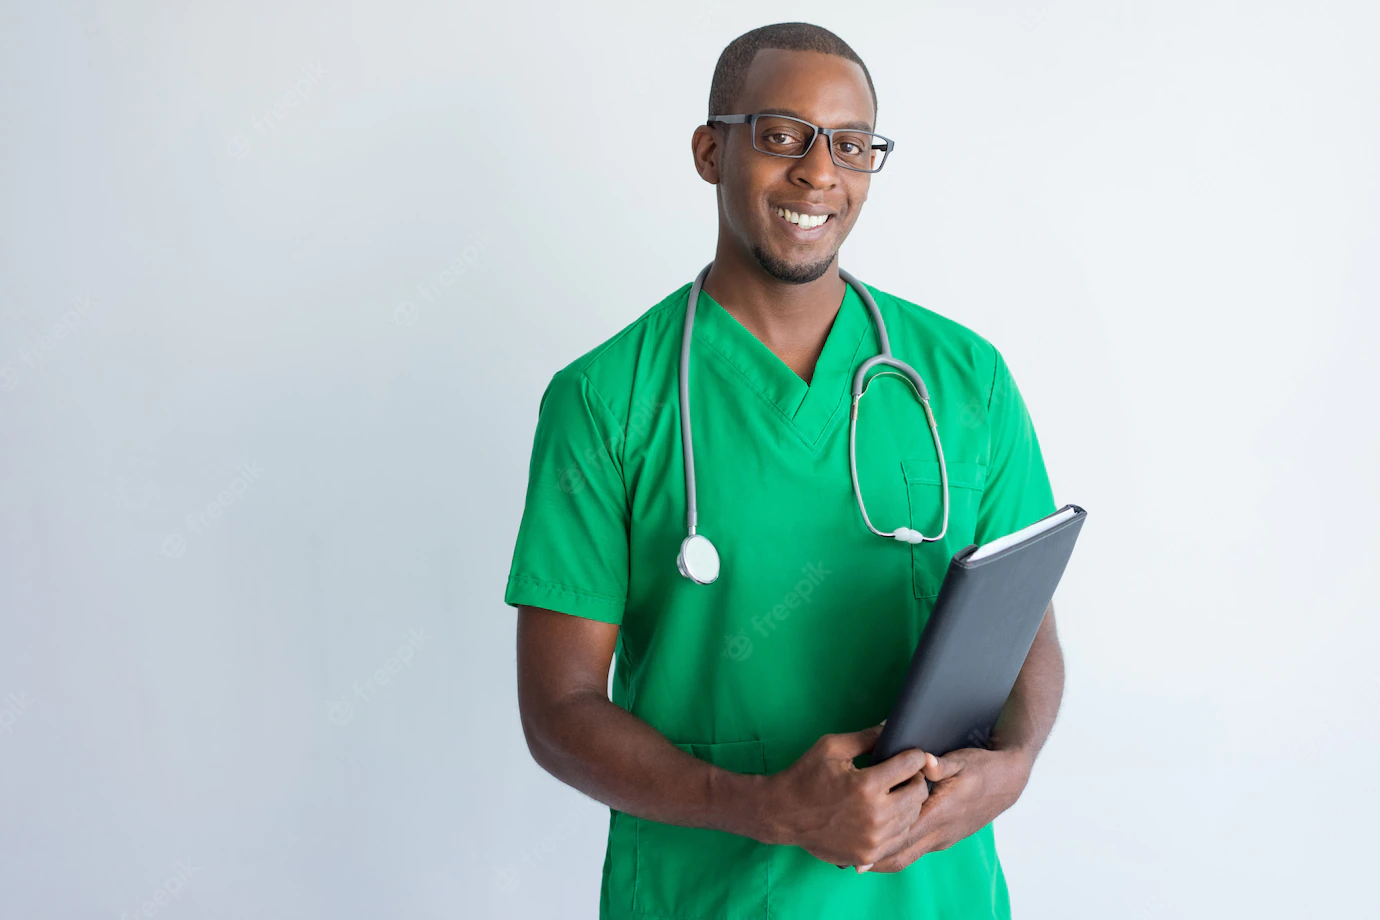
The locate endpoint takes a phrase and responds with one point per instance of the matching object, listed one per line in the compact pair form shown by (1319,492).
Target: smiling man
(742,700)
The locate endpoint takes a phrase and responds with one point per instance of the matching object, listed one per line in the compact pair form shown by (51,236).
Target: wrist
(1020,759)
(744,804)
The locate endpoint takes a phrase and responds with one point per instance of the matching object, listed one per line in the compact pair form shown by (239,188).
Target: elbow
(553,730)
(539,731)
(533,735)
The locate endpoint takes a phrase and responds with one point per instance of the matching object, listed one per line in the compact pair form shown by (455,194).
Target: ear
(704,147)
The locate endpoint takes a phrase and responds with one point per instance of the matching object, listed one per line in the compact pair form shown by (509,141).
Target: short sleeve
(571,553)
(1017,492)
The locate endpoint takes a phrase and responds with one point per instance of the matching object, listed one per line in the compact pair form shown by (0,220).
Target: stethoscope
(698,559)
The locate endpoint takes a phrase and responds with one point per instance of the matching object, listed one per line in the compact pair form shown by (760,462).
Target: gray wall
(281,286)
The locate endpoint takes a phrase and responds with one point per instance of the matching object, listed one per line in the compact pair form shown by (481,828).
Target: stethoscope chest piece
(698,559)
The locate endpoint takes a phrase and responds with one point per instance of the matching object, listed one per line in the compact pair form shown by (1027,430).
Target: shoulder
(614,368)
(940,338)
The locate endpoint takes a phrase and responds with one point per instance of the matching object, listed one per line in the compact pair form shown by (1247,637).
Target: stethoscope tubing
(861,381)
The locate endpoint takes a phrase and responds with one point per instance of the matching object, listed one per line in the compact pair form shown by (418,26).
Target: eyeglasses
(784,136)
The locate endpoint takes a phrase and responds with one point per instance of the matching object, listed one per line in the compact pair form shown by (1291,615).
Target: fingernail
(862,869)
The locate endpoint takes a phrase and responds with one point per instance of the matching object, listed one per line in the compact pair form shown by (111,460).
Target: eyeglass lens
(785,136)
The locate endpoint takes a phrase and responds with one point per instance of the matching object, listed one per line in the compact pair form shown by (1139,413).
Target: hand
(837,812)
(974,785)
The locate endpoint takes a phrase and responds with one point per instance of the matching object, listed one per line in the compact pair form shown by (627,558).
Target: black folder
(984,621)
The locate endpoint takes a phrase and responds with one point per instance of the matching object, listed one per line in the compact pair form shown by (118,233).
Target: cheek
(744,219)
(751,184)
(846,227)
(741,197)
(859,194)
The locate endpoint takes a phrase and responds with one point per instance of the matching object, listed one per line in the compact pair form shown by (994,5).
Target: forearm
(1028,715)
(611,755)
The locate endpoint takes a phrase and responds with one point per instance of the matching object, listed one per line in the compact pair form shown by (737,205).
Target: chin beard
(790,272)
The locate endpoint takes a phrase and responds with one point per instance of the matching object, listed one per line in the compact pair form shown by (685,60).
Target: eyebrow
(854,125)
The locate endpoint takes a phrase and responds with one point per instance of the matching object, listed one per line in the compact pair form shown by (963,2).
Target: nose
(816,167)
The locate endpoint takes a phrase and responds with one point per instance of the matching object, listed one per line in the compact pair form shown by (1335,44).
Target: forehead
(822,88)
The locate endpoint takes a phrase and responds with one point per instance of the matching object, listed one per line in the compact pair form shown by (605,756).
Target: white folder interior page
(1011,539)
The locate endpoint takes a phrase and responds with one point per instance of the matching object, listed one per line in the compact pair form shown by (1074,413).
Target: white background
(313,266)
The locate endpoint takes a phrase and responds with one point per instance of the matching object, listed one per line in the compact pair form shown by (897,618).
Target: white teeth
(804,221)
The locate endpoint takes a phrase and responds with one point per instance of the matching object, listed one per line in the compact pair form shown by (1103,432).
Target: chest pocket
(930,560)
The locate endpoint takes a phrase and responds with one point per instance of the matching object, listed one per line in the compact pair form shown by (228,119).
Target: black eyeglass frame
(751,121)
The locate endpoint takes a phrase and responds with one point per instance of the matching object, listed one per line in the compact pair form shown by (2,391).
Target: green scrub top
(811,624)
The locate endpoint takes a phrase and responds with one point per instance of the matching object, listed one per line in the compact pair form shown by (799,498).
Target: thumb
(947,766)
(855,744)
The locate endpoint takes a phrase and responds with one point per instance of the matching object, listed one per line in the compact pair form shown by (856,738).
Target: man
(726,753)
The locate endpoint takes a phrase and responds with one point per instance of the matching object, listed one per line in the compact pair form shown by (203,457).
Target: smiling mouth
(804,223)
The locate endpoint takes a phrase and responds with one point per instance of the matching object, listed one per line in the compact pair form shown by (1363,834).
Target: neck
(792,320)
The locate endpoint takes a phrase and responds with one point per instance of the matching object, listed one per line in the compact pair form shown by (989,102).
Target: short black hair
(732,68)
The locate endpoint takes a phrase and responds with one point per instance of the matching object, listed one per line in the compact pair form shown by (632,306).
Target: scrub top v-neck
(811,623)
